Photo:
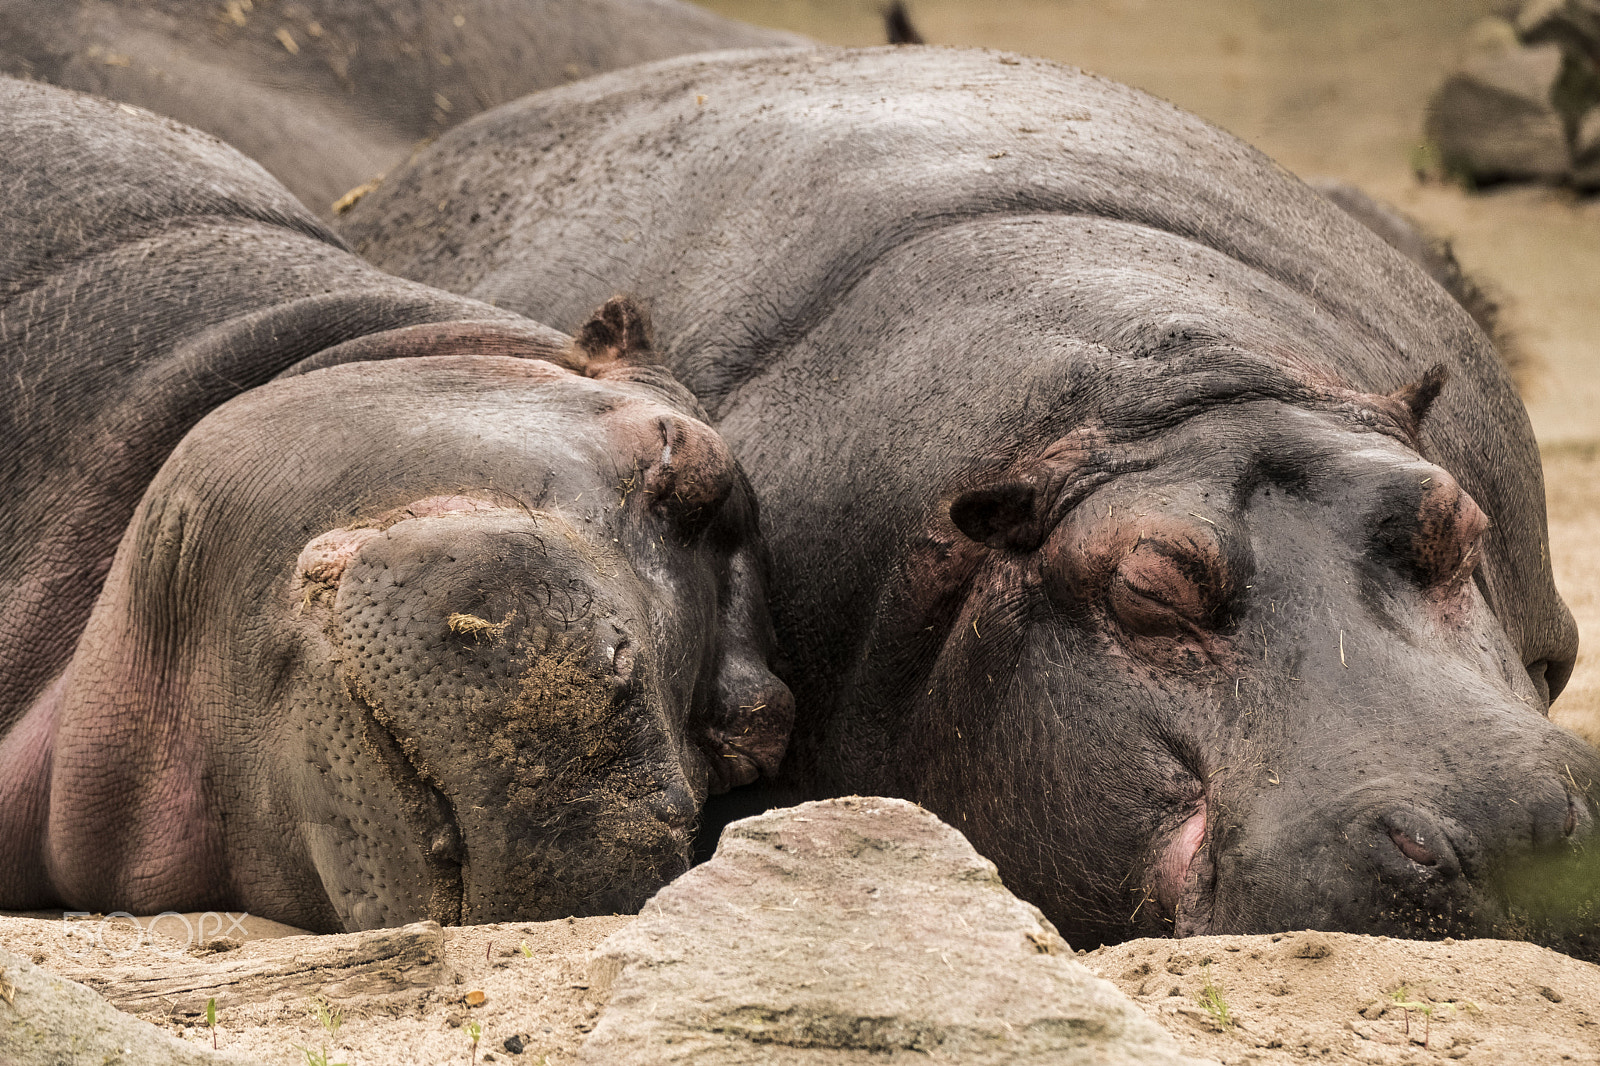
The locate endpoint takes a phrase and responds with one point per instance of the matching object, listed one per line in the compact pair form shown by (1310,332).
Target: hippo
(332,597)
(1133,508)
(330,94)
(1437,257)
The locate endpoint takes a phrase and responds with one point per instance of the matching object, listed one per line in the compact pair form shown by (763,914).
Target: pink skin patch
(324,559)
(1171,870)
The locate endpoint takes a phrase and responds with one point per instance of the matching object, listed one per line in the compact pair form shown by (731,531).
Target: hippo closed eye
(1119,512)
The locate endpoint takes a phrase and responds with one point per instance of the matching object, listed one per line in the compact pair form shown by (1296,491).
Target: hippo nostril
(446,844)
(672,806)
(1415,850)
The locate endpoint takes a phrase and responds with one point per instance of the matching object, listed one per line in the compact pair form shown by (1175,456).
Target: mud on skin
(1133,508)
(332,597)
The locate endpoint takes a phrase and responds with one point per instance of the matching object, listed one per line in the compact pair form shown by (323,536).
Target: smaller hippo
(332,597)
(329,94)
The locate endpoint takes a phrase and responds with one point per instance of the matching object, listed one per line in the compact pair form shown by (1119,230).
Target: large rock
(1572,24)
(1494,118)
(47,1020)
(853,930)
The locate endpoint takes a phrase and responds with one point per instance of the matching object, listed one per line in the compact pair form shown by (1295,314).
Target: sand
(1291,997)
(533,976)
(1337,997)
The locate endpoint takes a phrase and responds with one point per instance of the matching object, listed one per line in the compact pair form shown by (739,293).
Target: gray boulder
(1572,24)
(1494,119)
(853,930)
(47,1020)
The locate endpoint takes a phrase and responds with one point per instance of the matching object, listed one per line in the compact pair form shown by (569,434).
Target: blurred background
(1341,88)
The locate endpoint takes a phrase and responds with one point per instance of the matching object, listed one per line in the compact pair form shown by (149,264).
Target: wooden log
(351,964)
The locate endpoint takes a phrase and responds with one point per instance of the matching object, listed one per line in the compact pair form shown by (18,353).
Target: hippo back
(147,274)
(331,93)
(919,230)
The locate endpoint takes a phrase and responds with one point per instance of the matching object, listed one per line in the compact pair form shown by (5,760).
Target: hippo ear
(1000,516)
(617,334)
(692,474)
(1418,396)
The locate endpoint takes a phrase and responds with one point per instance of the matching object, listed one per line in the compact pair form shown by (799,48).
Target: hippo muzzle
(507,668)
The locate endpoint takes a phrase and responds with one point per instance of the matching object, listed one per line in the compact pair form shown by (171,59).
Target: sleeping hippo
(1133,508)
(329,94)
(332,597)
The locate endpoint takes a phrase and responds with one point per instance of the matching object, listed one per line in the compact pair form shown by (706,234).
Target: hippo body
(1434,255)
(1121,512)
(332,597)
(329,94)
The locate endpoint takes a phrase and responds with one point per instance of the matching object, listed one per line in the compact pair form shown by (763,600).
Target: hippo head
(460,636)
(1248,662)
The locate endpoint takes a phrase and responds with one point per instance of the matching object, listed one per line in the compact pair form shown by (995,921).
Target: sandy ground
(1336,997)
(1338,88)
(1572,484)
(1330,997)
(533,976)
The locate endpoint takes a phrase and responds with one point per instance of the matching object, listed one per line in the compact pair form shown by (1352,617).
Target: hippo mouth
(1183,876)
(427,810)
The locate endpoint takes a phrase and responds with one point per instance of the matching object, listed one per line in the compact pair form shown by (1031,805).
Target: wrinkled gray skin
(369,79)
(329,596)
(1434,255)
(1113,517)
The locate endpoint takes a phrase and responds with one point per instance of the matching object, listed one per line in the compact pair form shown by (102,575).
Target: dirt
(1572,486)
(1330,997)
(1338,997)
(537,995)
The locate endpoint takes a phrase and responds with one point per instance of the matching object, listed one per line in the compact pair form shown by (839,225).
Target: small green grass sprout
(527,952)
(327,1015)
(474,1031)
(330,1018)
(316,1058)
(1402,998)
(211,1020)
(1211,1000)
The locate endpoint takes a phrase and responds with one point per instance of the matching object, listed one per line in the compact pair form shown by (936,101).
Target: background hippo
(427,626)
(327,94)
(1133,508)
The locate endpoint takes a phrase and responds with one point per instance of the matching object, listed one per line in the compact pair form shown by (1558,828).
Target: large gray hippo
(1133,508)
(328,94)
(330,596)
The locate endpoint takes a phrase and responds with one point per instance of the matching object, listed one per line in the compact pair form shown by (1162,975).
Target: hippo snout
(1433,852)
(507,661)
